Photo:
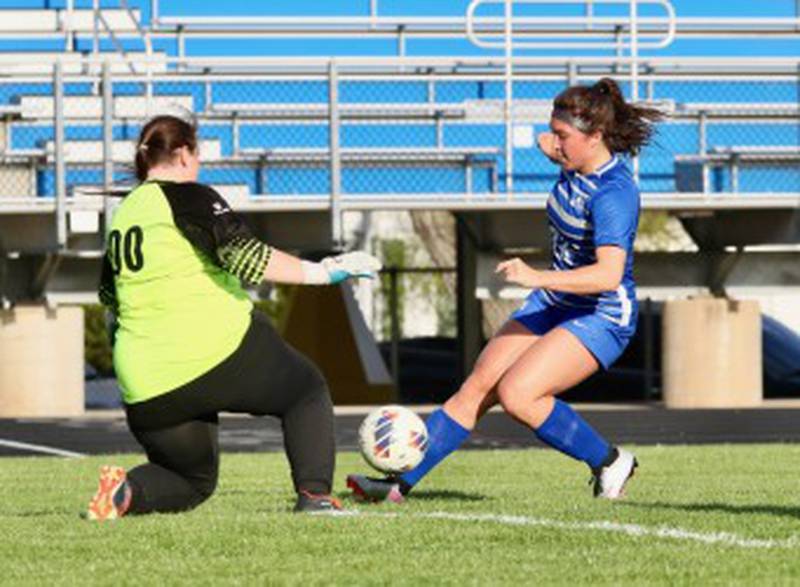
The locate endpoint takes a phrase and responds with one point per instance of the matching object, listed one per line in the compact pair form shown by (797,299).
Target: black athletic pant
(178,430)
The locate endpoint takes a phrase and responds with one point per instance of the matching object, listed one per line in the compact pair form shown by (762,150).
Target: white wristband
(314,273)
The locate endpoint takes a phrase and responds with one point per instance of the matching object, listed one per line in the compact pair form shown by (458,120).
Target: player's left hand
(348,265)
(516,271)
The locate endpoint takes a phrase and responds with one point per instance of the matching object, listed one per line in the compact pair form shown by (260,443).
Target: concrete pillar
(711,353)
(41,362)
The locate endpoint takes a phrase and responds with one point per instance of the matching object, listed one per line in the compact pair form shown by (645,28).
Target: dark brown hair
(602,107)
(159,139)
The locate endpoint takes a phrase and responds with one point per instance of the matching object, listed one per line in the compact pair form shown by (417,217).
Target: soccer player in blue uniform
(580,314)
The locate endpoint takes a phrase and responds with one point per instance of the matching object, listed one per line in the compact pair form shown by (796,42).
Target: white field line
(49,450)
(721,538)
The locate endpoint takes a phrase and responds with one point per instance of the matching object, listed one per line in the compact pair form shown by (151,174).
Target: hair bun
(602,87)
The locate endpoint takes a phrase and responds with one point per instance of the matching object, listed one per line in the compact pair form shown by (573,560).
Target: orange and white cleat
(113,497)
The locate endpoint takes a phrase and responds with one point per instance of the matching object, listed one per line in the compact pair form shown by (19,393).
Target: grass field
(694,515)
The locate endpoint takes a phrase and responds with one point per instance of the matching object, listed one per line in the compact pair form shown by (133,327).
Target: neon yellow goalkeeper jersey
(176,257)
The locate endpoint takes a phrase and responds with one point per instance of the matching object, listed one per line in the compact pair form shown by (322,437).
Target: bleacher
(297,141)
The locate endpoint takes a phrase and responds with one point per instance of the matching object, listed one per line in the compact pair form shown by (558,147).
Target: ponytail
(626,127)
(159,140)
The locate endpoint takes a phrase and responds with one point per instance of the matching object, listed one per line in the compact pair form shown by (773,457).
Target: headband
(582,124)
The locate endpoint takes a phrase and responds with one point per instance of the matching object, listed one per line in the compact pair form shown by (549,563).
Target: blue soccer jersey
(589,211)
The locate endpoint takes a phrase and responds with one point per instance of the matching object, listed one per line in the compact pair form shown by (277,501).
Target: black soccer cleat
(375,490)
(317,503)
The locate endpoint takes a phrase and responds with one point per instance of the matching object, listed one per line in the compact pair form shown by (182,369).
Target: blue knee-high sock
(566,431)
(444,436)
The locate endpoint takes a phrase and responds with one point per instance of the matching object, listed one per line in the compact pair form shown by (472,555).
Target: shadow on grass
(726,508)
(38,514)
(446,494)
(423,495)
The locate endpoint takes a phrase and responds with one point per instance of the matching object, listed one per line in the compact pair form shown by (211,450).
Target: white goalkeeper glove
(341,267)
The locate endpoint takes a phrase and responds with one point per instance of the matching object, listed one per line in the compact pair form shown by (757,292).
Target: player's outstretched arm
(285,268)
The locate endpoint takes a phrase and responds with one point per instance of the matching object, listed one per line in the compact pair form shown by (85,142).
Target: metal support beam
(181,40)
(509,94)
(95,28)
(69,34)
(649,350)
(394,314)
(58,155)
(720,268)
(572,73)
(702,145)
(108,127)
(46,267)
(5,300)
(337,233)
(469,315)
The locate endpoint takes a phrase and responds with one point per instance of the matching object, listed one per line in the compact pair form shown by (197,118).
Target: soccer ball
(393,439)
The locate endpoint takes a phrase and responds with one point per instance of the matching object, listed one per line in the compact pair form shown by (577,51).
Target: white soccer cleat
(609,481)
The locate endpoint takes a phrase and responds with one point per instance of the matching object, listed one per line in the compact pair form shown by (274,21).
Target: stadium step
(41,63)
(91,107)
(121,151)
(80,20)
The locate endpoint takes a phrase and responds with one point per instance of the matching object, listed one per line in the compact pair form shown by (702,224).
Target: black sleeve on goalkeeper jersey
(209,223)
(107,292)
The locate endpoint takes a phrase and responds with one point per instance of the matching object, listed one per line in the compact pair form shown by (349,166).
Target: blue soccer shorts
(602,337)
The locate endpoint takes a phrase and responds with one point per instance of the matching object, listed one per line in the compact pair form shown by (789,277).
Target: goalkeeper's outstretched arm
(285,268)
(209,223)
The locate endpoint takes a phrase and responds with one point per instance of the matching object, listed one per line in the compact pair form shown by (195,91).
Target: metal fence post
(58,155)
(108,144)
(634,15)
(180,38)
(108,127)
(395,325)
(69,34)
(508,111)
(649,344)
(95,29)
(335,155)
(701,148)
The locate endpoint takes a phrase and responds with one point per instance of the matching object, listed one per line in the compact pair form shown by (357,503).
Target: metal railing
(402,99)
(616,28)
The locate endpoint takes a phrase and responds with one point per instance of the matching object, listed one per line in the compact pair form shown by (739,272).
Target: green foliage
(427,286)
(652,222)
(445,306)
(97,347)
(393,254)
(276,305)
(658,231)
(682,506)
